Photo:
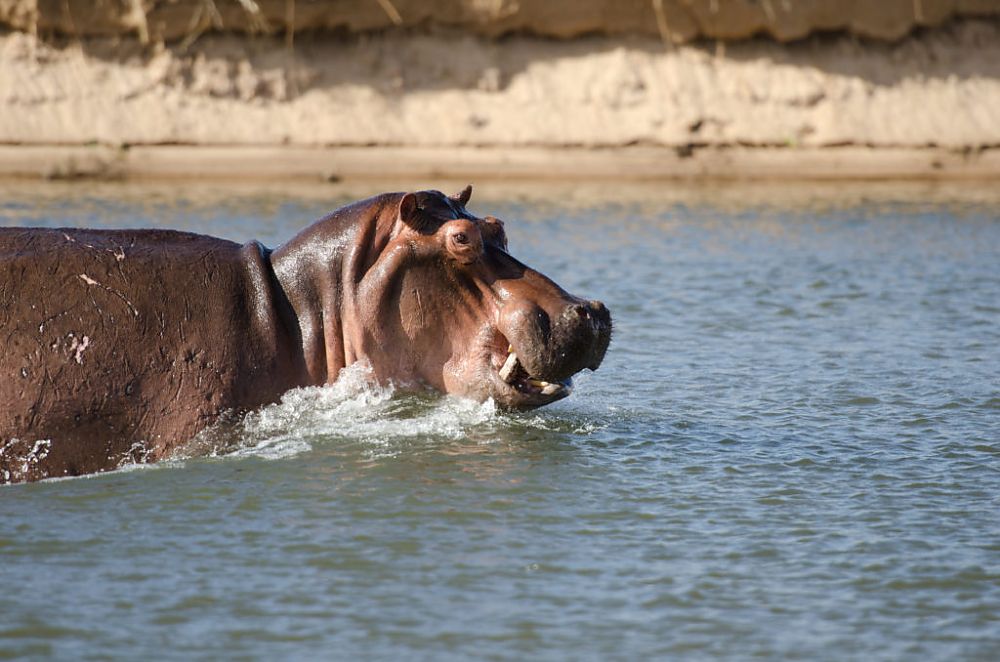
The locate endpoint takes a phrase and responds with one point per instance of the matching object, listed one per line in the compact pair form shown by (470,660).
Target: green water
(791,451)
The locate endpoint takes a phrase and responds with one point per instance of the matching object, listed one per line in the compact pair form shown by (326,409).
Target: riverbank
(417,104)
(633,163)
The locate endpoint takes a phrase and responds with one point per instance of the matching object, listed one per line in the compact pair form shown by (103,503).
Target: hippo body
(131,343)
(121,345)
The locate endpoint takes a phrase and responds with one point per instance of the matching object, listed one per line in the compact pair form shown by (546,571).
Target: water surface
(791,451)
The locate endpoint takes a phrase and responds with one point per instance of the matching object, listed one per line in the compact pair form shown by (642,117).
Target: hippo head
(429,294)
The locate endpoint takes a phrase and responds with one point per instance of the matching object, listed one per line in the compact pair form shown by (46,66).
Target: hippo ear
(411,213)
(408,208)
(463,196)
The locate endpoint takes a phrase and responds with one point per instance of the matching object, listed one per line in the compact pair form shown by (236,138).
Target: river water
(791,451)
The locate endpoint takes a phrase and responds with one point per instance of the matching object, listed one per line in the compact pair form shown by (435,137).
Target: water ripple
(790,451)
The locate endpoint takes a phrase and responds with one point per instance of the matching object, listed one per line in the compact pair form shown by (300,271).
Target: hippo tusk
(513,373)
(509,367)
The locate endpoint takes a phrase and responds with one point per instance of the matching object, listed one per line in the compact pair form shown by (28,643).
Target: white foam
(355,409)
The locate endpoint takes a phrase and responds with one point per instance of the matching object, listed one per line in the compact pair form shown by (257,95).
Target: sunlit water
(792,450)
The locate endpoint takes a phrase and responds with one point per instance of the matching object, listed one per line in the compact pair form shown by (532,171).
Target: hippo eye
(461,238)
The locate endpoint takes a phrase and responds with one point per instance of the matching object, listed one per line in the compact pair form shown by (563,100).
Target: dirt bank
(928,104)
(675,20)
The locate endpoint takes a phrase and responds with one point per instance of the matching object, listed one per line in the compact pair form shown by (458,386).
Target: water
(791,451)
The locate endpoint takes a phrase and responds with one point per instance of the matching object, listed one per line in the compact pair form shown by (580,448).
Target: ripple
(790,450)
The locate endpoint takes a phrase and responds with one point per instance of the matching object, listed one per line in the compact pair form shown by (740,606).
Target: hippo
(122,345)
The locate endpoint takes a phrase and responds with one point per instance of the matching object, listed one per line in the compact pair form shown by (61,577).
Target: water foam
(356,409)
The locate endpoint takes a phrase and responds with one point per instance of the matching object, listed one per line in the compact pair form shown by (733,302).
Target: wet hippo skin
(121,345)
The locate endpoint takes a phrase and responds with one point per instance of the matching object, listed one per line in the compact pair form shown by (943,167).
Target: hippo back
(120,345)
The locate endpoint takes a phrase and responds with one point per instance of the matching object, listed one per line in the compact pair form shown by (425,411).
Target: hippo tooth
(548,388)
(507,371)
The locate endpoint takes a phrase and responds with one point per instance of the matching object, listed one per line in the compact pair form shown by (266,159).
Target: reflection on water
(791,451)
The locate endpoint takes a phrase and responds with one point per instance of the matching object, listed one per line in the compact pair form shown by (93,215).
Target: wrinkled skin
(121,345)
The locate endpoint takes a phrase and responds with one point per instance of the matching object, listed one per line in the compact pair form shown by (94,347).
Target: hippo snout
(580,336)
(597,315)
(557,344)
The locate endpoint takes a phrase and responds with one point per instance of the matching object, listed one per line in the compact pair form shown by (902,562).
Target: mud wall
(740,89)
(676,21)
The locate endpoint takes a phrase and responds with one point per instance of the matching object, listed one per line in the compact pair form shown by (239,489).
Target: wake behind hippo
(121,345)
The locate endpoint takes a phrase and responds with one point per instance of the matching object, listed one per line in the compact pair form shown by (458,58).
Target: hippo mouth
(516,376)
(515,388)
(544,351)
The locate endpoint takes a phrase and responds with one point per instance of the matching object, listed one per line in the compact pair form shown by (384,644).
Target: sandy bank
(420,104)
(675,21)
(635,163)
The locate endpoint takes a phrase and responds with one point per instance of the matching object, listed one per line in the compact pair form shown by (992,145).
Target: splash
(17,455)
(354,409)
